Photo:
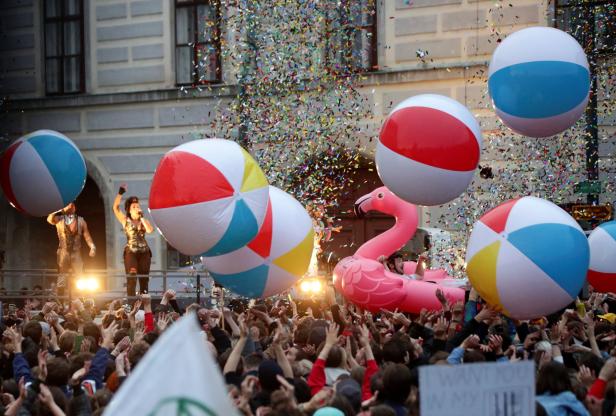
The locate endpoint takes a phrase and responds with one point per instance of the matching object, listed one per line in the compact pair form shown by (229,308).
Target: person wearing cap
(71,228)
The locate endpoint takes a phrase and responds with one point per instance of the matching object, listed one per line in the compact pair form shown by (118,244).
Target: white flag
(177,376)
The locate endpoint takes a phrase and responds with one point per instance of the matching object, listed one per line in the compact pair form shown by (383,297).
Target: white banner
(484,389)
(177,376)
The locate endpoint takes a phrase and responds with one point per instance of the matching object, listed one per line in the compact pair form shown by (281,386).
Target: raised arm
(236,353)
(54,217)
(116,205)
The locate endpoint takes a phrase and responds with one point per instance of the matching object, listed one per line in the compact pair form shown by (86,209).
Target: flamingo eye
(380,195)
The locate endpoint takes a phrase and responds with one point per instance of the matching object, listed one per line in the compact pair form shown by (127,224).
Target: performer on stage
(70,228)
(137,253)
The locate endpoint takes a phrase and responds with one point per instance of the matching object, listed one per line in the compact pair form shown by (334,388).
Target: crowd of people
(316,357)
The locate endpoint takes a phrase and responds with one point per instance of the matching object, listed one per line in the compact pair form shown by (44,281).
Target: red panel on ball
(431,137)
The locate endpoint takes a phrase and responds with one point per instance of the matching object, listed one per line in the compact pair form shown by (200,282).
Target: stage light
(311,286)
(87,284)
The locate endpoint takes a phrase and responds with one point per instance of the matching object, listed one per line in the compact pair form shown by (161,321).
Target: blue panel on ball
(64,162)
(242,229)
(250,283)
(561,251)
(539,89)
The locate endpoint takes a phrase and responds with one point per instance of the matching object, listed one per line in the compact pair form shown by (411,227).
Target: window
(197,42)
(351,44)
(592,23)
(64,63)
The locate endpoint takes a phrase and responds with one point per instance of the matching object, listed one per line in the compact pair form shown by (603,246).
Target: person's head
(252,362)
(58,372)
(396,262)
(394,351)
(34,331)
(90,329)
(341,403)
(397,383)
(439,358)
(268,370)
(553,379)
(137,352)
(70,209)
(67,341)
(473,356)
(335,356)
(132,207)
(351,390)
(382,410)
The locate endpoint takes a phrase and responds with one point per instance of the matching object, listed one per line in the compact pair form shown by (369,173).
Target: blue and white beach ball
(539,81)
(42,172)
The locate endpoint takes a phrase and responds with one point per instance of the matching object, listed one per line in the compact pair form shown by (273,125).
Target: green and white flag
(177,376)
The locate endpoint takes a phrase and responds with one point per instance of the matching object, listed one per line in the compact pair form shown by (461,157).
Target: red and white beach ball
(428,149)
(602,269)
(208,197)
(42,172)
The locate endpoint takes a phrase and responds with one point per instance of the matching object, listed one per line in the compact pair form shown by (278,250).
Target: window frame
(195,44)
(349,68)
(61,20)
(589,6)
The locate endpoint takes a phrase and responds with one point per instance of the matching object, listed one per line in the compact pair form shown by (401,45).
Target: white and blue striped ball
(539,81)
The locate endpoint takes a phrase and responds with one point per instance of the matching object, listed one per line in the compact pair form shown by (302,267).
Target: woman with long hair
(137,253)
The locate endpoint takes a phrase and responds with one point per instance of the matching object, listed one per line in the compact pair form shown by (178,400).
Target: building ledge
(415,73)
(86,100)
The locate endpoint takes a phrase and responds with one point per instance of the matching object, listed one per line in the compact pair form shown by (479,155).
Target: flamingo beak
(359,207)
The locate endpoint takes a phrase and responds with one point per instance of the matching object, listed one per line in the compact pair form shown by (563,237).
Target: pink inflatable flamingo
(364,281)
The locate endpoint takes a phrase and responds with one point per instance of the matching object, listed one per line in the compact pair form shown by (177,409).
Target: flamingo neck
(392,240)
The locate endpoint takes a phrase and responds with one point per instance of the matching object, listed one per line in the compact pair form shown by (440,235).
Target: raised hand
(440,328)
(496,343)
(331,337)
(586,376)
(42,364)
(471,342)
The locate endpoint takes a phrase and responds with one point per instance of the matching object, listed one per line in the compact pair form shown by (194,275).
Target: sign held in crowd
(486,389)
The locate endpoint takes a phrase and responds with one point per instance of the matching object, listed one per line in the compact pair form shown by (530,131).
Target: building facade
(118,77)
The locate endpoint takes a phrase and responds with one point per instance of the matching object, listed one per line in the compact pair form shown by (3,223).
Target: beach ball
(527,256)
(602,269)
(428,149)
(276,258)
(208,197)
(42,172)
(539,81)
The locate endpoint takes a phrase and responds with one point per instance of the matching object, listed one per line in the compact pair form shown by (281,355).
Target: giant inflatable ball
(539,81)
(527,256)
(208,197)
(276,259)
(428,149)
(602,269)
(42,172)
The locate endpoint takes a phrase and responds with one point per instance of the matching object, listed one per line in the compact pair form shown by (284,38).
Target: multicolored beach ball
(527,256)
(42,172)
(539,81)
(208,197)
(602,269)
(428,149)
(276,258)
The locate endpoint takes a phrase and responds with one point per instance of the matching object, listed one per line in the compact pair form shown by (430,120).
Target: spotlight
(87,284)
(311,286)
